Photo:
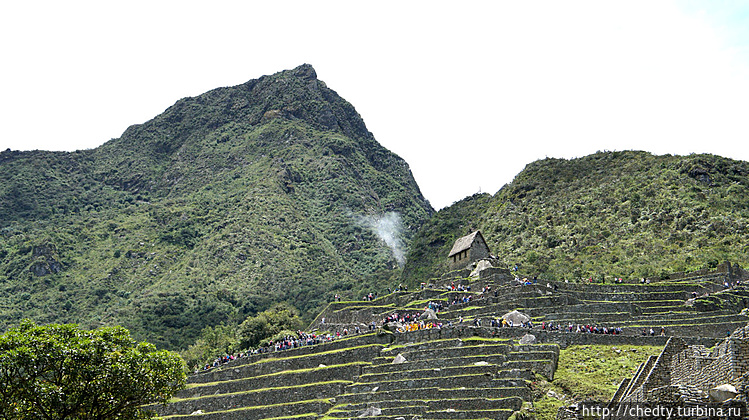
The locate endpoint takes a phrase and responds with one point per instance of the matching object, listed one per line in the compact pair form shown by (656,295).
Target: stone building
(468,249)
(684,374)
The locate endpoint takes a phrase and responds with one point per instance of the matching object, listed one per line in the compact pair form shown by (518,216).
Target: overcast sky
(448,85)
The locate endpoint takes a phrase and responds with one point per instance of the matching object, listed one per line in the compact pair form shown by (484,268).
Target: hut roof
(461,244)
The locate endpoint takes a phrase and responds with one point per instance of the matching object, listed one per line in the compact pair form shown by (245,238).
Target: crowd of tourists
(400,318)
(419,325)
(301,339)
(409,321)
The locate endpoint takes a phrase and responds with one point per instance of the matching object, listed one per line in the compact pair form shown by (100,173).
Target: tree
(64,372)
(268,323)
(213,342)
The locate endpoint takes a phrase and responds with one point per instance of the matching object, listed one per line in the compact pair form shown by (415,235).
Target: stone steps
(442,376)
(344,372)
(592,318)
(633,287)
(473,414)
(452,352)
(495,359)
(428,408)
(661,320)
(433,373)
(292,362)
(456,381)
(407,408)
(368,338)
(633,297)
(434,393)
(645,304)
(258,397)
(444,343)
(260,412)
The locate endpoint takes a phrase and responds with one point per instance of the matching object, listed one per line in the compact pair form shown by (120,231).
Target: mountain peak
(305,71)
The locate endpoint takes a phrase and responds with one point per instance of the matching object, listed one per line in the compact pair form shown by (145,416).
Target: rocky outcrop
(45,260)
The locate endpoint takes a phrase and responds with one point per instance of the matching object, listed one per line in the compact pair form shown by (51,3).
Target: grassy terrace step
(654,310)
(690,318)
(443,343)
(221,402)
(595,306)
(340,343)
(429,373)
(512,403)
(435,346)
(436,393)
(533,355)
(633,297)
(427,407)
(596,318)
(457,381)
(407,409)
(298,361)
(644,304)
(531,301)
(415,342)
(495,359)
(657,319)
(631,288)
(471,414)
(687,314)
(697,329)
(303,416)
(344,372)
(475,310)
(545,367)
(451,352)
(262,412)
(583,307)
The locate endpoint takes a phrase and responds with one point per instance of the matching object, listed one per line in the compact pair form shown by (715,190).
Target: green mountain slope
(269,191)
(611,214)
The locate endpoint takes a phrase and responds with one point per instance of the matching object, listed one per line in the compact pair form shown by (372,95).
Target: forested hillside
(611,214)
(223,205)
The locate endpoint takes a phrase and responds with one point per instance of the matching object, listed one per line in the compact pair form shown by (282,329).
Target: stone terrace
(459,371)
(633,307)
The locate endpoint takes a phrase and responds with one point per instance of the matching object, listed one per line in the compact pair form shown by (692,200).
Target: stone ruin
(468,369)
(691,374)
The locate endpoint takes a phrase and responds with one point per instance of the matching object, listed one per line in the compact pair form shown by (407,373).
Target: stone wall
(254,398)
(660,374)
(732,271)
(269,411)
(322,374)
(726,364)
(687,372)
(634,389)
(273,365)
(689,361)
(494,274)
(479,250)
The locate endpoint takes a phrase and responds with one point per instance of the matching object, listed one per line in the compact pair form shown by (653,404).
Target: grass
(325,401)
(261,390)
(274,359)
(283,372)
(590,372)
(296,416)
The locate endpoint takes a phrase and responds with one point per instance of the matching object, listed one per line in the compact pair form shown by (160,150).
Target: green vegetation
(64,372)
(235,216)
(608,215)
(591,372)
(206,215)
